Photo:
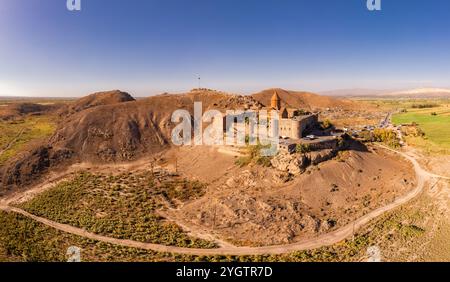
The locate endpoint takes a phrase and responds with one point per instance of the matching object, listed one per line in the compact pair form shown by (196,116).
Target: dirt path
(321,241)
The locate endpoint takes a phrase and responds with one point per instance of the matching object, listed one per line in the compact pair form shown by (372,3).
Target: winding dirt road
(321,241)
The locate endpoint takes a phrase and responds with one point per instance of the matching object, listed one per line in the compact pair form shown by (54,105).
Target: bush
(413,131)
(342,156)
(366,136)
(254,156)
(326,124)
(264,161)
(302,148)
(243,161)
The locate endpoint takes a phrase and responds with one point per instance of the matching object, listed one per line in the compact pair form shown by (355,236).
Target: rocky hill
(302,100)
(113,127)
(97,99)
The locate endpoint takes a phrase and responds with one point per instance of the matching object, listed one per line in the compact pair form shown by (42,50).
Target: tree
(386,136)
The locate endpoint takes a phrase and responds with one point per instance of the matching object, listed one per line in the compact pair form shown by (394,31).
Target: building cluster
(294,127)
(293,123)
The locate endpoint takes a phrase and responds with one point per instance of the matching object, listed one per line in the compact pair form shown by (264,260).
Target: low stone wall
(313,145)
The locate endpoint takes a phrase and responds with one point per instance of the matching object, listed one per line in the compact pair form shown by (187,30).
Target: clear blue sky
(149,46)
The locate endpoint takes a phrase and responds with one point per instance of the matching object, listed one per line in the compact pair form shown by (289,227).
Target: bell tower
(275,102)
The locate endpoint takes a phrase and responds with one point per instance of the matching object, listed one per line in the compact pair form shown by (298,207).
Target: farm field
(391,104)
(434,122)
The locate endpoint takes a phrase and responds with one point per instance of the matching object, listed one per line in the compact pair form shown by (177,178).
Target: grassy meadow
(431,115)
(433,121)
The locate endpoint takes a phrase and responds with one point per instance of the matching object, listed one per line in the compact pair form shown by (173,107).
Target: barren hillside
(97,99)
(302,100)
(113,126)
(254,206)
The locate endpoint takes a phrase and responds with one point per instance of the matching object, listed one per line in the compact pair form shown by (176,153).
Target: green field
(390,104)
(436,127)
(16,134)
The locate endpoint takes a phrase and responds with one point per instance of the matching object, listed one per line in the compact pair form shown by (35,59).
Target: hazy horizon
(151,47)
(329,92)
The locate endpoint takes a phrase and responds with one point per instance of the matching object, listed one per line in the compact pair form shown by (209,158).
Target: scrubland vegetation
(123,206)
(16,134)
(22,239)
(254,156)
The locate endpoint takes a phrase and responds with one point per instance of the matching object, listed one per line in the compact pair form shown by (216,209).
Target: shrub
(326,124)
(243,161)
(302,148)
(342,156)
(254,156)
(413,131)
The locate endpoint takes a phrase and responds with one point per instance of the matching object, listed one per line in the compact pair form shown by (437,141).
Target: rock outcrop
(296,164)
(33,165)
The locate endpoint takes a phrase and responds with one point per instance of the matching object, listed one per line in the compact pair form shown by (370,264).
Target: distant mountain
(354,92)
(405,93)
(421,93)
